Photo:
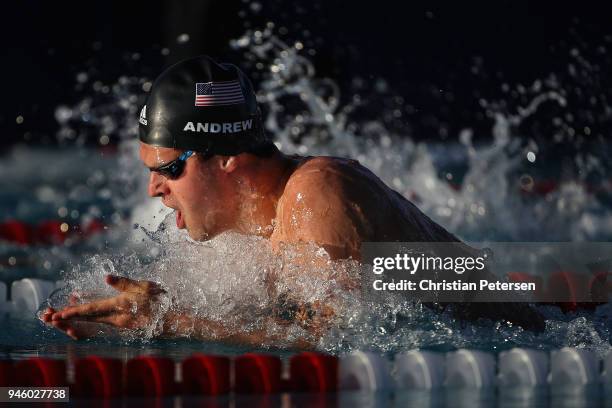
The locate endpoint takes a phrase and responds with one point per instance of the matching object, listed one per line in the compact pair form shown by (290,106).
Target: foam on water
(239,281)
(214,281)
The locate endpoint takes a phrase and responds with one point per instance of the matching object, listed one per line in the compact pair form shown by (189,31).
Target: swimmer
(202,138)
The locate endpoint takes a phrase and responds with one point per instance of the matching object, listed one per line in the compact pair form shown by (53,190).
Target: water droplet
(531,157)
(465,136)
(82,77)
(63,114)
(183,38)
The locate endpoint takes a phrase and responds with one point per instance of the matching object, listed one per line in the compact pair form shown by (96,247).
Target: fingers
(123,284)
(79,329)
(100,307)
(73,328)
(76,331)
(112,320)
(66,328)
(62,325)
(46,316)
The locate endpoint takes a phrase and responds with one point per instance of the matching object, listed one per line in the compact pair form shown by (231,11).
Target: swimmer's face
(201,195)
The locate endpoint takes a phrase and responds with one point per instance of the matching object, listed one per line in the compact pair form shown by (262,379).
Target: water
(480,191)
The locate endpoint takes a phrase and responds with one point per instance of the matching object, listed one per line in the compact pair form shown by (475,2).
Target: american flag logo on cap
(218,93)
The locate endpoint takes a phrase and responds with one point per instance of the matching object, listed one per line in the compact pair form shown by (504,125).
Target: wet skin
(332,202)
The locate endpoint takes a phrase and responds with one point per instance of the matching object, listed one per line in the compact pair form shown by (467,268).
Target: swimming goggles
(174,169)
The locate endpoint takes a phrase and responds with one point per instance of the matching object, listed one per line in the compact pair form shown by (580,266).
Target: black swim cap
(200,105)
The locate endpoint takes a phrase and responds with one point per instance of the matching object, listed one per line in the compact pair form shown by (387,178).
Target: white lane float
(469,369)
(523,368)
(27,294)
(573,367)
(606,376)
(364,371)
(419,370)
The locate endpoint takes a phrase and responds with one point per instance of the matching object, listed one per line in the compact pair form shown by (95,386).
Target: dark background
(423,51)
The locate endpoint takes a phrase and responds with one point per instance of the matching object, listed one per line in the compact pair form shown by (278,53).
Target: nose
(157,185)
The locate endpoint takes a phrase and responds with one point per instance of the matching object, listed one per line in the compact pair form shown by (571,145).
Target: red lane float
(206,375)
(17,232)
(40,372)
(566,286)
(50,232)
(257,374)
(313,372)
(150,377)
(569,291)
(98,377)
(600,287)
(7,373)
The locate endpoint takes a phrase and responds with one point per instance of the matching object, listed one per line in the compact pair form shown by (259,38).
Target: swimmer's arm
(183,325)
(314,317)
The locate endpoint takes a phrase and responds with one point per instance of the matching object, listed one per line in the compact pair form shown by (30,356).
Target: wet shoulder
(329,167)
(324,171)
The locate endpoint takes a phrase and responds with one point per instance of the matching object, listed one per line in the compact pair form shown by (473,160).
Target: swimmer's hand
(133,308)
(130,309)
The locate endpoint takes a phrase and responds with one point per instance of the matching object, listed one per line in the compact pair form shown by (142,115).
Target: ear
(228,163)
